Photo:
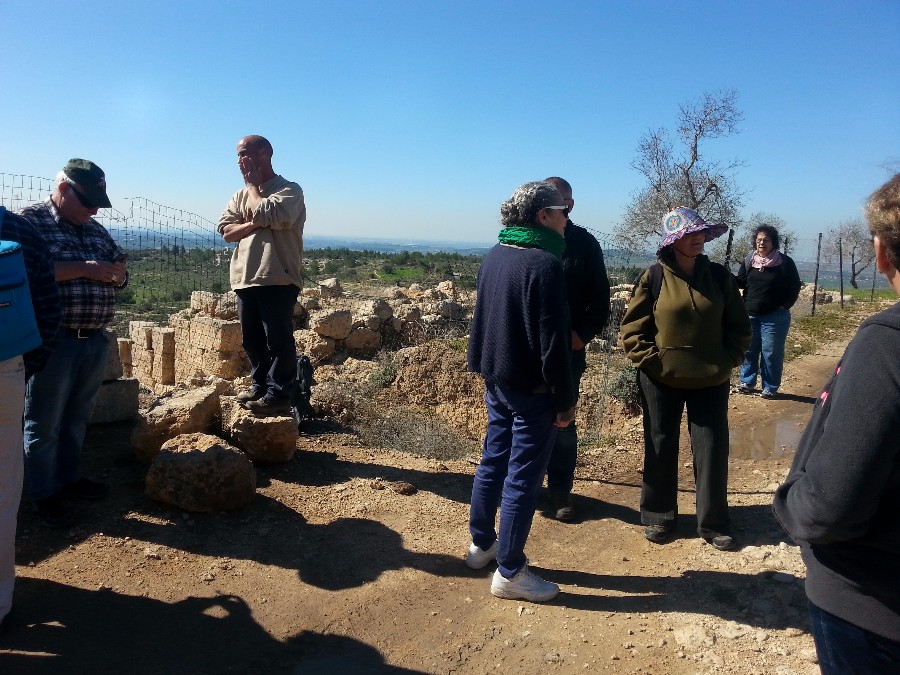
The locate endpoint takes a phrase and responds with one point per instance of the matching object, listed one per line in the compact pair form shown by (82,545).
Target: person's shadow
(64,629)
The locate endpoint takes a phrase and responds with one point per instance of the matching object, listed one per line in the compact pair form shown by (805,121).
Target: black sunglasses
(85,202)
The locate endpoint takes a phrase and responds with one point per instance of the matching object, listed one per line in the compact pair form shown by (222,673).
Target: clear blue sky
(414,119)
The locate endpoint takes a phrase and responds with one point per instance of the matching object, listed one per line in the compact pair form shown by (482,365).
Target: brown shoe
(562,506)
(269,407)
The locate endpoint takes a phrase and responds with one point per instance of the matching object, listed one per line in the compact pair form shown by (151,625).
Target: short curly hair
(521,209)
(883,214)
(770,231)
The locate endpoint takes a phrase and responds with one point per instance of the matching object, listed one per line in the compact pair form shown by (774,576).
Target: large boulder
(381,309)
(195,410)
(451,310)
(202,473)
(117,401)
(317,347)
(335,324)
(265,440)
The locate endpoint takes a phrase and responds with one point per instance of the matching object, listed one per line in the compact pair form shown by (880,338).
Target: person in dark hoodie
(685,329)
(520,343)
(841,499)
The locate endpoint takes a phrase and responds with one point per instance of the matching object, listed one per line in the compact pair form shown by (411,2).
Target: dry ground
(327,573)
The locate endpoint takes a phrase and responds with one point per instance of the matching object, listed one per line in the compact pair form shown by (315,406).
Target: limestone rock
(114,368)
(448,288)
(409,313)
(335,324)
(201,473)
(316,346)
(195,410)
(363,340)
(381,309)
(451,310)
(265,440)
(330,288)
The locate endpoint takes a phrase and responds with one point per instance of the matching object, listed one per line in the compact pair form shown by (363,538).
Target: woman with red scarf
(771,285)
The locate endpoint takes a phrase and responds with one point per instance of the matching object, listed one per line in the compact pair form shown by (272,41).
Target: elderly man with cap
(685,329)
(59,400)
(266,219)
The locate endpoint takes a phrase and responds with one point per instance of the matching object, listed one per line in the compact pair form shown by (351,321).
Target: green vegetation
(830,323)
(624,387)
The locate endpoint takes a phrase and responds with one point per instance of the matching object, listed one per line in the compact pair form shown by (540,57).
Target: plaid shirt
(86,303)
(41,284)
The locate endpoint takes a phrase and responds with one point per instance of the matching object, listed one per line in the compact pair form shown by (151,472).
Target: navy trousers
(266,314)
(844,648)
(561,469)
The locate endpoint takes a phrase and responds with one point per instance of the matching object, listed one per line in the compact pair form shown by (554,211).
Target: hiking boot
(85,488)
(765,393)
(744,389)
(562,506)
(721,542)
(658,534)
(253,394)
(526,585)
(477,558)
(53,513)
(269,407)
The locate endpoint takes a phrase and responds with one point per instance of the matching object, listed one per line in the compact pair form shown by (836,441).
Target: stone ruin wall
(205,339)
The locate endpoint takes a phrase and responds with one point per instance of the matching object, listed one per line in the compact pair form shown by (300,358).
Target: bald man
(266,219)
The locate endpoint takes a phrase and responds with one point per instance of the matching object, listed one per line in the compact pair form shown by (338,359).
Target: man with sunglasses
(587,290)
(59,400)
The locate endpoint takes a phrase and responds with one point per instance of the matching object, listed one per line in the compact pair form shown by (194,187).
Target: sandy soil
(328,572)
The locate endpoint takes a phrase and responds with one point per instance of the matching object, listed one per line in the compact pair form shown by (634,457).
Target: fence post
(874,276)
(816,278)
(728,248)
(841,269)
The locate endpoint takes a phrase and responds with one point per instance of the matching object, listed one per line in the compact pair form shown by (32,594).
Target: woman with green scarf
(520,343)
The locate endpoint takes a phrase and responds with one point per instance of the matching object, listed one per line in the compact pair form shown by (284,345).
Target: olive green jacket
(695,332)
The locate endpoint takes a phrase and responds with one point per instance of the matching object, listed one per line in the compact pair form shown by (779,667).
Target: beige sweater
(271,255)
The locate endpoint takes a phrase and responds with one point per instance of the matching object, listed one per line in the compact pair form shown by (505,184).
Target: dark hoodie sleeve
(792,283)
(849,456)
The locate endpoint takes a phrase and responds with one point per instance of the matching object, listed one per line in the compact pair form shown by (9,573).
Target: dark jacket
(841,498)
(520,335)
(587,285)
(693,334)
(768,289)
(41,284)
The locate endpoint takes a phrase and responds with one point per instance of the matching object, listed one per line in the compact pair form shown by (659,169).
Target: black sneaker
(53,512)
(562,507)
(721,542)
(85,488)
(253,394)
(269,407)
(658,534)
(766,393)
(744,389)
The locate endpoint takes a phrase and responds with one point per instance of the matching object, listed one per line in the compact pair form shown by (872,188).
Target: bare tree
(686,177)
(855,245)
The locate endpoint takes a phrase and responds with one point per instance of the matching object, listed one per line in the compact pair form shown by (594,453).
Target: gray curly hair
(526,201)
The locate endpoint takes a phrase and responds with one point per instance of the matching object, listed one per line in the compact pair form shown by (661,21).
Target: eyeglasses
(562,207)
(85,202)
(765,240)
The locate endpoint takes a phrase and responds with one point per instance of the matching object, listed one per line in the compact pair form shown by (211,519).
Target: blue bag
(18,327)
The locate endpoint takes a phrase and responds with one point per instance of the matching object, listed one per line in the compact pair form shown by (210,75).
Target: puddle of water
(766,440)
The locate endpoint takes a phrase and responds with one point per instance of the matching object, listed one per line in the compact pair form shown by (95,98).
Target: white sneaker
(477,559)
(526,585)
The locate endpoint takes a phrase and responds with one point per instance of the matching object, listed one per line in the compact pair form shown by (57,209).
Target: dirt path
(325,573)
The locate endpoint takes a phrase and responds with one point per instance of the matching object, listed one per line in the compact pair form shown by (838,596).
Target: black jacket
(841,499)
(768,289)
(587,285)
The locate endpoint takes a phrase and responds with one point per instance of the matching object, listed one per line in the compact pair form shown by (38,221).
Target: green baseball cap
(91,179)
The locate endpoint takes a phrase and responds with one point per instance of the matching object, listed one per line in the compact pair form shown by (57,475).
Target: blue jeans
(517,447)
(266,314)
(59,402)
(769,335)
(846,649)
(561,469)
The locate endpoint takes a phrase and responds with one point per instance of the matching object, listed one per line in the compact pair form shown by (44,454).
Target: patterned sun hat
(681,221)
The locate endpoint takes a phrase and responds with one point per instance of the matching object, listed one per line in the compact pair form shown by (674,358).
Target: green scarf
(534,237)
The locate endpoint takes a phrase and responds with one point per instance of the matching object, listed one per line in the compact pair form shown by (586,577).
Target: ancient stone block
(163,340)
(201,473)
(335,324)
(140,333)
(196,410)
(265,440)
(363,340)
(214,334)
(330,288)
(316,346)
(113,363)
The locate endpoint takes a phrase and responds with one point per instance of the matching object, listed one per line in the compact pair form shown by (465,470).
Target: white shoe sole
(504,594)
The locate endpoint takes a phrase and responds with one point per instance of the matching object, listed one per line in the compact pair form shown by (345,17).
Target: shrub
(624,387)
